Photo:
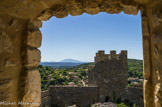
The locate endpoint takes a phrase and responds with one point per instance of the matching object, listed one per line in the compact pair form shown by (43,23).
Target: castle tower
(109,74)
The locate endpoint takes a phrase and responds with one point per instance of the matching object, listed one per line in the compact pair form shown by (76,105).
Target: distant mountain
(71,60)
(70,63)
(66,63)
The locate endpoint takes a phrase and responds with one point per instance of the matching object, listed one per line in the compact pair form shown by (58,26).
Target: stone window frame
(26,17)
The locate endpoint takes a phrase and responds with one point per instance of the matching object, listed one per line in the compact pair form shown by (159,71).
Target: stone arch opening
(103,98)
(17,18)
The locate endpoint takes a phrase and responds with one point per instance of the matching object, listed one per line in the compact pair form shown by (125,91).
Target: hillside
(135,68)
(78,75)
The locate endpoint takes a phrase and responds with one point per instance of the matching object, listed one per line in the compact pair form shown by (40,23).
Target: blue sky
(80,37)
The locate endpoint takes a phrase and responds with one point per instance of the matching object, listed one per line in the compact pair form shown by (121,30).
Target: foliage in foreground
(121,105)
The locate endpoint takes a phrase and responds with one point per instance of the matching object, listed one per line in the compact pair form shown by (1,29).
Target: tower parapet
(109,74)
(101,56)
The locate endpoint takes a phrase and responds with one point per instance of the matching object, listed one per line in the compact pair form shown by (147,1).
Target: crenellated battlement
(101,56)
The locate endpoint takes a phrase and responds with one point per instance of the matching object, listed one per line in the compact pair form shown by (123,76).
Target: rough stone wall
(152,45)
(43,9)
(135,96)
(45,99)
(109,74)
(11,30)
(19,82)
(66,96)
(29,82)
(91,77)
(17,61)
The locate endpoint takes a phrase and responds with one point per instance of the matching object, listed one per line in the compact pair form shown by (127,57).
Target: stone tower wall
(45,99)
(101,56)
(109,74)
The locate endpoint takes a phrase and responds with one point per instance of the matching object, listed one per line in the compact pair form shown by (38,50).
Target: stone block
(129,9)
(101,52)
(33,57)
(34,39)
(59,11)
(45,15)
(31,90)
(113,55)
(35,23)
(93,11)
(145,29)
(74,7)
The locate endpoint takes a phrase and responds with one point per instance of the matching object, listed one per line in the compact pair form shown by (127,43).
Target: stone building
(107,81)
(109,74)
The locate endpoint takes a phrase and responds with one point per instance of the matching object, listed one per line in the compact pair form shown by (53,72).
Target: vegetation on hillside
(135,68)
(71,76)
(78,75)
